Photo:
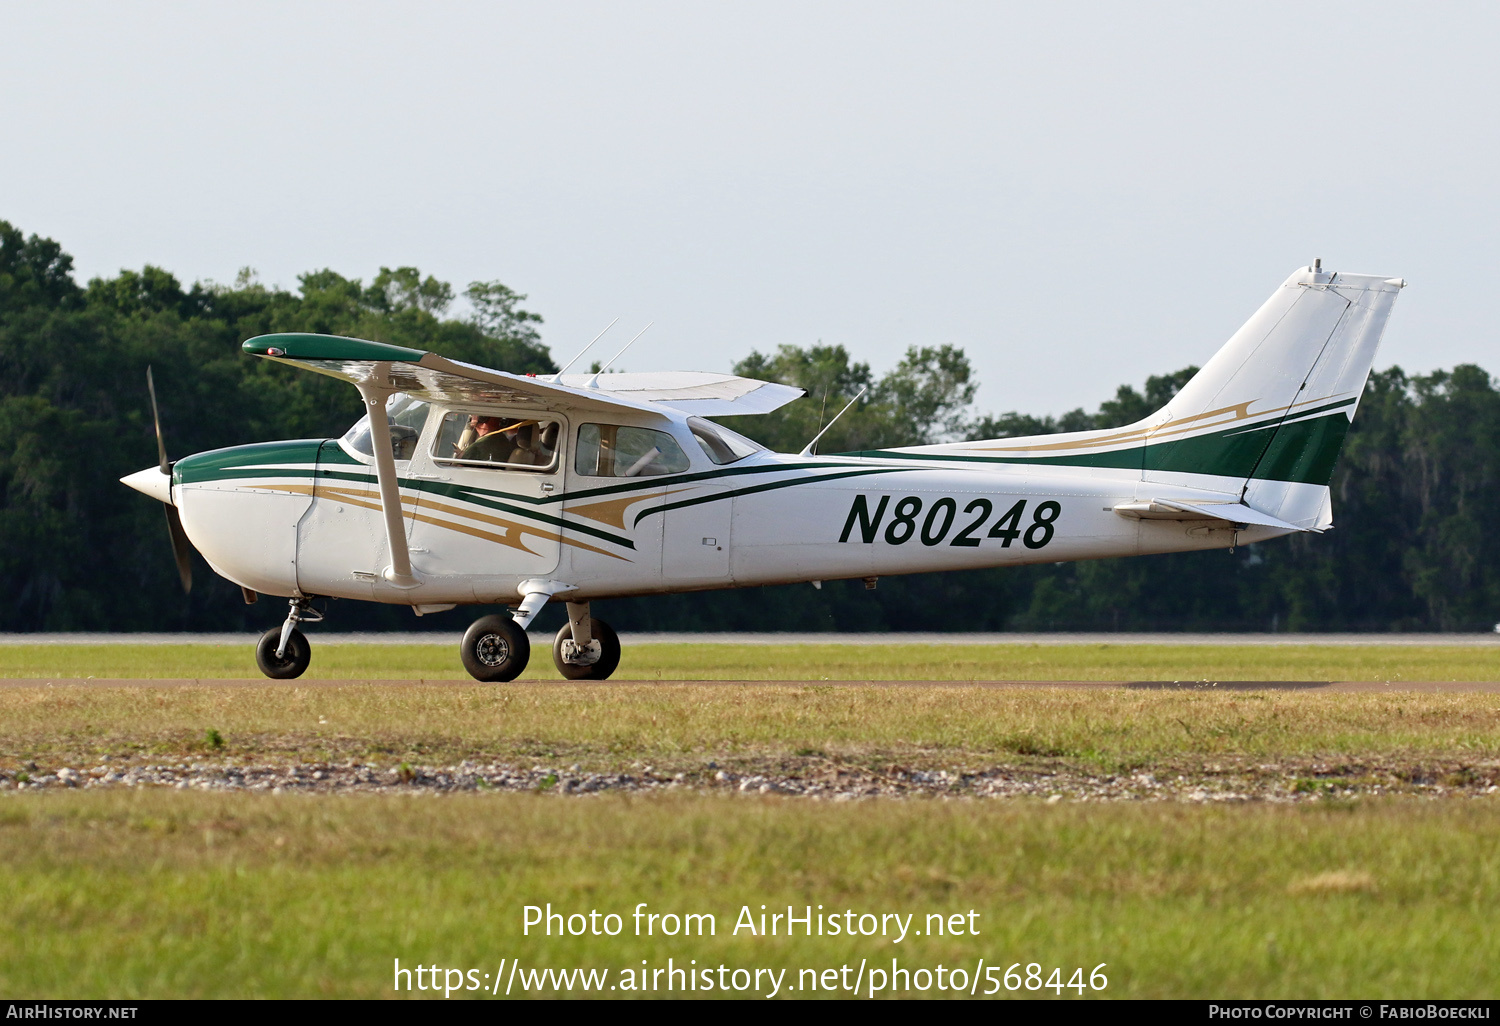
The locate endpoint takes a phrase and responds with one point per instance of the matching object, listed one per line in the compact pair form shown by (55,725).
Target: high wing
(694,392)
(430,376)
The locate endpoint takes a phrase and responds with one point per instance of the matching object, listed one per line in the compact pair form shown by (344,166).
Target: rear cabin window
(613,450)
(483,440)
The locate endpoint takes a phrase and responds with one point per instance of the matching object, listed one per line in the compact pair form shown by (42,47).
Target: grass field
(798,662)
(154,892)
(128,894)
(684,726)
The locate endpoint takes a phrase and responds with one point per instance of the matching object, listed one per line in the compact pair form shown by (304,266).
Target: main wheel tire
(495,648)
(292,663)
(609,653)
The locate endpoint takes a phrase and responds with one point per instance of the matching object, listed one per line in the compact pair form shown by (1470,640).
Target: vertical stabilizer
(1272,407)
(1263,421)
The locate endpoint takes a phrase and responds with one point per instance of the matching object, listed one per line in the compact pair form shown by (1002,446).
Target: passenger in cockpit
(528,451)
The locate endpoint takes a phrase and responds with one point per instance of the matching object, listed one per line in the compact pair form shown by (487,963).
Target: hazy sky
(1078,195)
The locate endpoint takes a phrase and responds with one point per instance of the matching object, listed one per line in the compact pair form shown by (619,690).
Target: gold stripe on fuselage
(1232,414)
(513,534)
(612,511)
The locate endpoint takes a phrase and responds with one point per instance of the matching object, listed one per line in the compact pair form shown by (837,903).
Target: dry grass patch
(685,725)
(1338,881)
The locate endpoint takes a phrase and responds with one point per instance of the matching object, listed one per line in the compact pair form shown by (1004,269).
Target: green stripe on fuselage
(237,460)
(1303,451)
(644,483)
(767,487)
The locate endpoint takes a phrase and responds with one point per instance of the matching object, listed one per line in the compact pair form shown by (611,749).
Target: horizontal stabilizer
(1236,513)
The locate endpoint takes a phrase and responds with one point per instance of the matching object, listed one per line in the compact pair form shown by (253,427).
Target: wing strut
(375,390)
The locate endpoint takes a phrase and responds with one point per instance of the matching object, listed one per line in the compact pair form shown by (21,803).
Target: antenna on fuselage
(593,382)
(558,376)
(807,449)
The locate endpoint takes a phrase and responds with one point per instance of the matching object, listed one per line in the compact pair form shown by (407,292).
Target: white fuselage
(304,518)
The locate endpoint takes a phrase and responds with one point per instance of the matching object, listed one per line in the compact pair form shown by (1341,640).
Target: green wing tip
(306,346)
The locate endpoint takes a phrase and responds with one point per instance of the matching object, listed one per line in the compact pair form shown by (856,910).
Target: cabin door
(488,488)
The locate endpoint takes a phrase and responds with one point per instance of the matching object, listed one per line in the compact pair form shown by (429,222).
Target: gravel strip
(823,781)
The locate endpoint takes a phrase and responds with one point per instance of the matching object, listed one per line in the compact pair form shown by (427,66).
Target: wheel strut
(582,648)
(301,611)
(586,648)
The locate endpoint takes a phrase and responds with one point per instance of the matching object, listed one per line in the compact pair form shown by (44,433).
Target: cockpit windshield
(405,416)
(721,444)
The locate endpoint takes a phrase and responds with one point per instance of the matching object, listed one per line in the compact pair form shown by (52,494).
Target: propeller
(181,548)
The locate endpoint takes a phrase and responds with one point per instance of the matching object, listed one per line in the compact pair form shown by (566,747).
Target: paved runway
(452,639)
(1328,687)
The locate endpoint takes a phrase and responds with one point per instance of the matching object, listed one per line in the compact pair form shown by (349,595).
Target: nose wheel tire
(609,653)
(495,648)
(292,663)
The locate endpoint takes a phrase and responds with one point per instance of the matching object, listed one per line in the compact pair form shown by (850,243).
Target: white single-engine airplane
(487,487)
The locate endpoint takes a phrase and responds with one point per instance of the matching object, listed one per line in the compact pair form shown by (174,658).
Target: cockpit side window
(614,450)
(505,442)
(405,415)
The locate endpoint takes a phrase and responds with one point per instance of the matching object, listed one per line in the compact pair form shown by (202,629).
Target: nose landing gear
(283,652)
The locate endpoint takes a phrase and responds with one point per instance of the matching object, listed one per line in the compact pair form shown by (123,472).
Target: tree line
(1412,490)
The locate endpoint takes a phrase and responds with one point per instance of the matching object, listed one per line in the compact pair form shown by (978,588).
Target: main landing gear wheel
(292,662)
(495,648)
(601,668)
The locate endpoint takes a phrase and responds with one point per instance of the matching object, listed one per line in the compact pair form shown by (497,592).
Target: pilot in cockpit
(484,440)
(519,443)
